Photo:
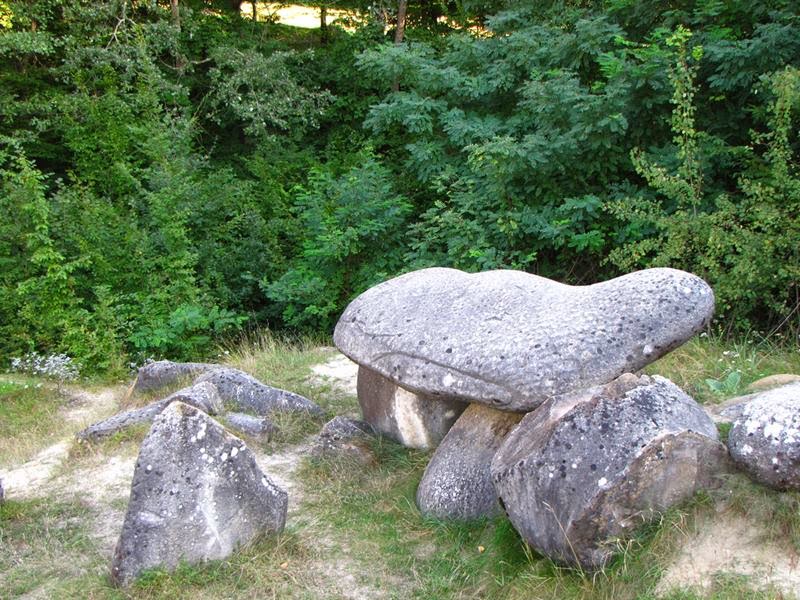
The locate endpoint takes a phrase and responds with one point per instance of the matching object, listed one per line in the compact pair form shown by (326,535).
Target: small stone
(260,428)
(185,508)
(342,436)
(764,439)
(413,420)
(457,483)
(247,393)
(510,339)
(638,445)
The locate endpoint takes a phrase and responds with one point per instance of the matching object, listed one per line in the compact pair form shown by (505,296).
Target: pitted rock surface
(765,437)
(249,394)
(510,339)
(585,468)
(414,420)
(260,428)
(342,436)
(202,395)
(457,483)
(197,494)
(159,374)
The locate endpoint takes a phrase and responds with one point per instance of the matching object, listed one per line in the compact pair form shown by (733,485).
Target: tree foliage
(164,181)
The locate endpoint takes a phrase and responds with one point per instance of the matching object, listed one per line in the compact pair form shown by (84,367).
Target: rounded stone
(584,469)
(511,339)
(764,440)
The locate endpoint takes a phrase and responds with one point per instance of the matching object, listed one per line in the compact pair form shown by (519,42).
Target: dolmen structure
(527,389)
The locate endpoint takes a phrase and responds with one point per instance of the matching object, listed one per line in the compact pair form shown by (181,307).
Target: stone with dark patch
(260,428)
(345,437)
(201,395)
(586,468)
(248,394)
(197,495)
(764,439)
(457,483)
(414,420)
(163,373)
(511,339)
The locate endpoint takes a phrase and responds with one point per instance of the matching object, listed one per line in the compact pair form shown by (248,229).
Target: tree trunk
(176,15)
(255,11)
(323,23)
(399,34)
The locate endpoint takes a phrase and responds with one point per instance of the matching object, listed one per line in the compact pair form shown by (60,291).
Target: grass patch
(44,543)
(712,358)
(28,418)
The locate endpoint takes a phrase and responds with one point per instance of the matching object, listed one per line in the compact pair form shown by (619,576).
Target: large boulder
(197,494)
(200,395)
(247,393)
(764,439)
(414,420)
(457,483)
(585,468)
(510,339)
(163,373)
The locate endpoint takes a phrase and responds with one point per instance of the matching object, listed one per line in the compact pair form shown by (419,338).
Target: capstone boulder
(197,495)
(510,339)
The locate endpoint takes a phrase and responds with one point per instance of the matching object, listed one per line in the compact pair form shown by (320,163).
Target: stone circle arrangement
(525,389)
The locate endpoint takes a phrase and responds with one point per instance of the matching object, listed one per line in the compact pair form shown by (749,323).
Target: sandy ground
(732,545)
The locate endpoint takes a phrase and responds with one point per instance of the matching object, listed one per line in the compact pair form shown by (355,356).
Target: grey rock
(121,422)
(765,438)
(201,395)
(342,436)
(260,428)
(197,494)
(457,483)
(162,373)
(414,420)
(772,381)
(510,339)
(586,468)
(249,394)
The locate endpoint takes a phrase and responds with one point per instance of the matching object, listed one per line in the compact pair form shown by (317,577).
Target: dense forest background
(173,172)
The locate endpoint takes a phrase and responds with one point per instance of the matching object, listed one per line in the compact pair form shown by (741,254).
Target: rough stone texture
(201,395)
(260,428)
(413,420)
(765,438)
(342,436)
(249,394)
(772,381)
(587,467)
(510,339)
(121,421)
(196,495)
(457,483)
(159,374)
